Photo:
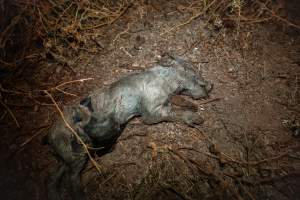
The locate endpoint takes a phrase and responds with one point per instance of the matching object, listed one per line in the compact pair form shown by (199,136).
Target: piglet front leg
(167,113)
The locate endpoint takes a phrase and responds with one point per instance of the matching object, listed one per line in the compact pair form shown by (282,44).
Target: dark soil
(244,150)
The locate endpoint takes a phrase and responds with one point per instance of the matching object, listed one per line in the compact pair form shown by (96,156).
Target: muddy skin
(100,118)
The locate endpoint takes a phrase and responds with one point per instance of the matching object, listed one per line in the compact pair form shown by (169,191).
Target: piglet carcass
(100,117)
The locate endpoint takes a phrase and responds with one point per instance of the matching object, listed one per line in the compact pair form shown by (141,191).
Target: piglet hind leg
(73,158)
(75,169)
(168,113)
(53,183)
(76,159)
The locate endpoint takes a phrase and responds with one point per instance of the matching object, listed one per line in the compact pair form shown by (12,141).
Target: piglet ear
(179,60)
(182,63)
(175,59)
(87,102)
(171,60)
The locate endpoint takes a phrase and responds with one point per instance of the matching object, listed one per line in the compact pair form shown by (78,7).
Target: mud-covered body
(100,118)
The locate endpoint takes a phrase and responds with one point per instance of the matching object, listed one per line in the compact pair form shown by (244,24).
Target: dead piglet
(100,118)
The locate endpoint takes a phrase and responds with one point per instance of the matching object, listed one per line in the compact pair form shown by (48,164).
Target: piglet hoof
(192,119)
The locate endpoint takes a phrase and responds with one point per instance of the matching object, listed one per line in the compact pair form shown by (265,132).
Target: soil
(243,150)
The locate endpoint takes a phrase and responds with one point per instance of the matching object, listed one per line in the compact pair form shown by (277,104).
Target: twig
(126,52)
(10,112)
(211,100)
(22,146)
(121,33)
(106,180)
(74,81)
(58,87)
(42,21)
(35,135)
(67,93)
(99,44)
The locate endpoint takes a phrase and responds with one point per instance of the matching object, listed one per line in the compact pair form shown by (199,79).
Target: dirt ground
(244,149)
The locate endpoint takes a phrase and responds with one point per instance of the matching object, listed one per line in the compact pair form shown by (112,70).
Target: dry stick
(210,101)
(69,82)
(34,135)
(21,147)
(42,22)
(106,180)
(121,33)
(67,93)
(86,148)
(10,112)
(189,20)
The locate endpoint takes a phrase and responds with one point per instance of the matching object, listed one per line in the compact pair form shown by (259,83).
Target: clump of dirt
(246,149)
